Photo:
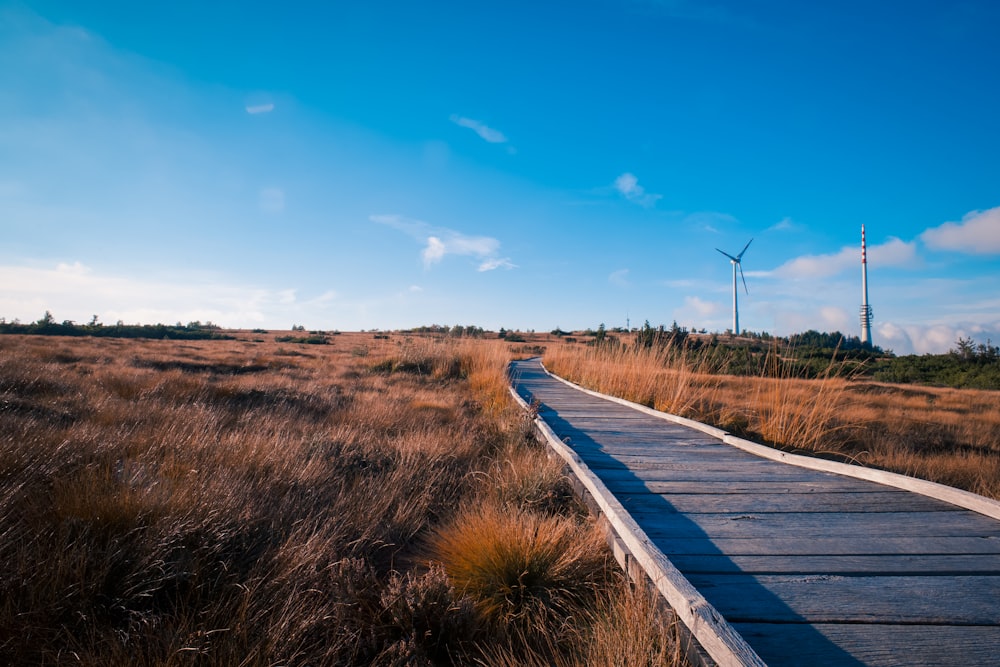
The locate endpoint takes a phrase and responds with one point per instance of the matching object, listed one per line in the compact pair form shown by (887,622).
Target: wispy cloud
(485,132)
(441,241)
(710,221)
(254,109)
(977,234)
(893,252)
(619,278)
(628,187)
(785,224)
(497,263)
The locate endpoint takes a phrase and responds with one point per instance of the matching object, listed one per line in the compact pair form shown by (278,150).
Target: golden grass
(949,436)
(255,503)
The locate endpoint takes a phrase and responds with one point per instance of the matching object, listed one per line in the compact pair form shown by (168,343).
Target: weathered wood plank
(808,525)
(804,485)
(850,564)
(885,501)
(826,598)
(871,544)
(874,645)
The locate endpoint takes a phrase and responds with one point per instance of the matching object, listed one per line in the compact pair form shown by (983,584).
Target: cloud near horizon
(893,252)
(977,234)
(441,241)
(74,291)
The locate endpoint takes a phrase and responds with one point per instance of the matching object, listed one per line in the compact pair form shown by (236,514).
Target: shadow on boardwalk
(603,451)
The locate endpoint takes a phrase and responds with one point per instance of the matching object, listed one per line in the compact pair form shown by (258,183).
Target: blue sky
(524,165)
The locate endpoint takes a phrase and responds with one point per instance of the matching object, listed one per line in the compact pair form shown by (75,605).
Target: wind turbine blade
(729,256)
(744,279)
(740,256)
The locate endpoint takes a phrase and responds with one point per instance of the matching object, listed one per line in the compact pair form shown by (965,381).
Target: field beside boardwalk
(945,435)
(374,499)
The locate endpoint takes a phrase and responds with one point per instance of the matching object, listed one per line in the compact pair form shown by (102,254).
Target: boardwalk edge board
(957,497)
(716,636)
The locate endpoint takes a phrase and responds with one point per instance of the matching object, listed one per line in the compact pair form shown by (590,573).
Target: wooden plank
(885,501)
(811,525)
(826,598)
(850,564)
(823,545)
(749,487)
(874,645)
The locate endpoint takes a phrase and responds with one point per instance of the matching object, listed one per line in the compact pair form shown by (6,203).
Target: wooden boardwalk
(808,567)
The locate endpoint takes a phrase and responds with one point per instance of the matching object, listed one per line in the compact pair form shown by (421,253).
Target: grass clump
(523,570)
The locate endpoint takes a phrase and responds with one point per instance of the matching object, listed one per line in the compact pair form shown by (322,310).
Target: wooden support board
(809,567)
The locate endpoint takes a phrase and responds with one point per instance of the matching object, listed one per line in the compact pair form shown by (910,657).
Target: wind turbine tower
(736,262)
(866,310)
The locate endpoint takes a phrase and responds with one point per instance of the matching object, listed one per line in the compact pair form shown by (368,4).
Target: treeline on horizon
(48,326)
(811,354)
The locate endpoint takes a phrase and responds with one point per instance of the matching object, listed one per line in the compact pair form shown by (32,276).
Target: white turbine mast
(737,262)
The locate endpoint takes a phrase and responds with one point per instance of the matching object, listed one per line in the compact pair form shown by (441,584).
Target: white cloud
(485,132)
(434,252)
(441,241)
(783,225)
(835,319)
(496,263)
(932,338)
(700,307)
(619,278)
(977,234)
(73,291)
(628,186)
(255,109)
(893,252)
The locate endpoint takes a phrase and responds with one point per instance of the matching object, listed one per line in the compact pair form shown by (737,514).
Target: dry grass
(242,502)
(949,436)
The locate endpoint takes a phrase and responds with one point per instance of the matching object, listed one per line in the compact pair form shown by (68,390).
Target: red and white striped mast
(866,310)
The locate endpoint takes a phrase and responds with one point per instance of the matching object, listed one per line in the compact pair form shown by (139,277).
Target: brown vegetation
(949,436)
(249,502)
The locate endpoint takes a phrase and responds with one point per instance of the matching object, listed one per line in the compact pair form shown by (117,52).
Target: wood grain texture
(804,563)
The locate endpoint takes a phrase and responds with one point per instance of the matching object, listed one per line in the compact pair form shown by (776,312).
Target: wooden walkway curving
(807,567)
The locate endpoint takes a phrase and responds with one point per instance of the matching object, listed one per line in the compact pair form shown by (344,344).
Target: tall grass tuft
(523,570)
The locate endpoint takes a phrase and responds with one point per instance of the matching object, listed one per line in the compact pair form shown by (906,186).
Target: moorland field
(371,498)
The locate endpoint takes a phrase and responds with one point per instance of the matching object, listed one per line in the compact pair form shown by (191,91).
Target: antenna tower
(866,310)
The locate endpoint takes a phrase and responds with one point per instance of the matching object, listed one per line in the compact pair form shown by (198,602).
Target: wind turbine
(736,262)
